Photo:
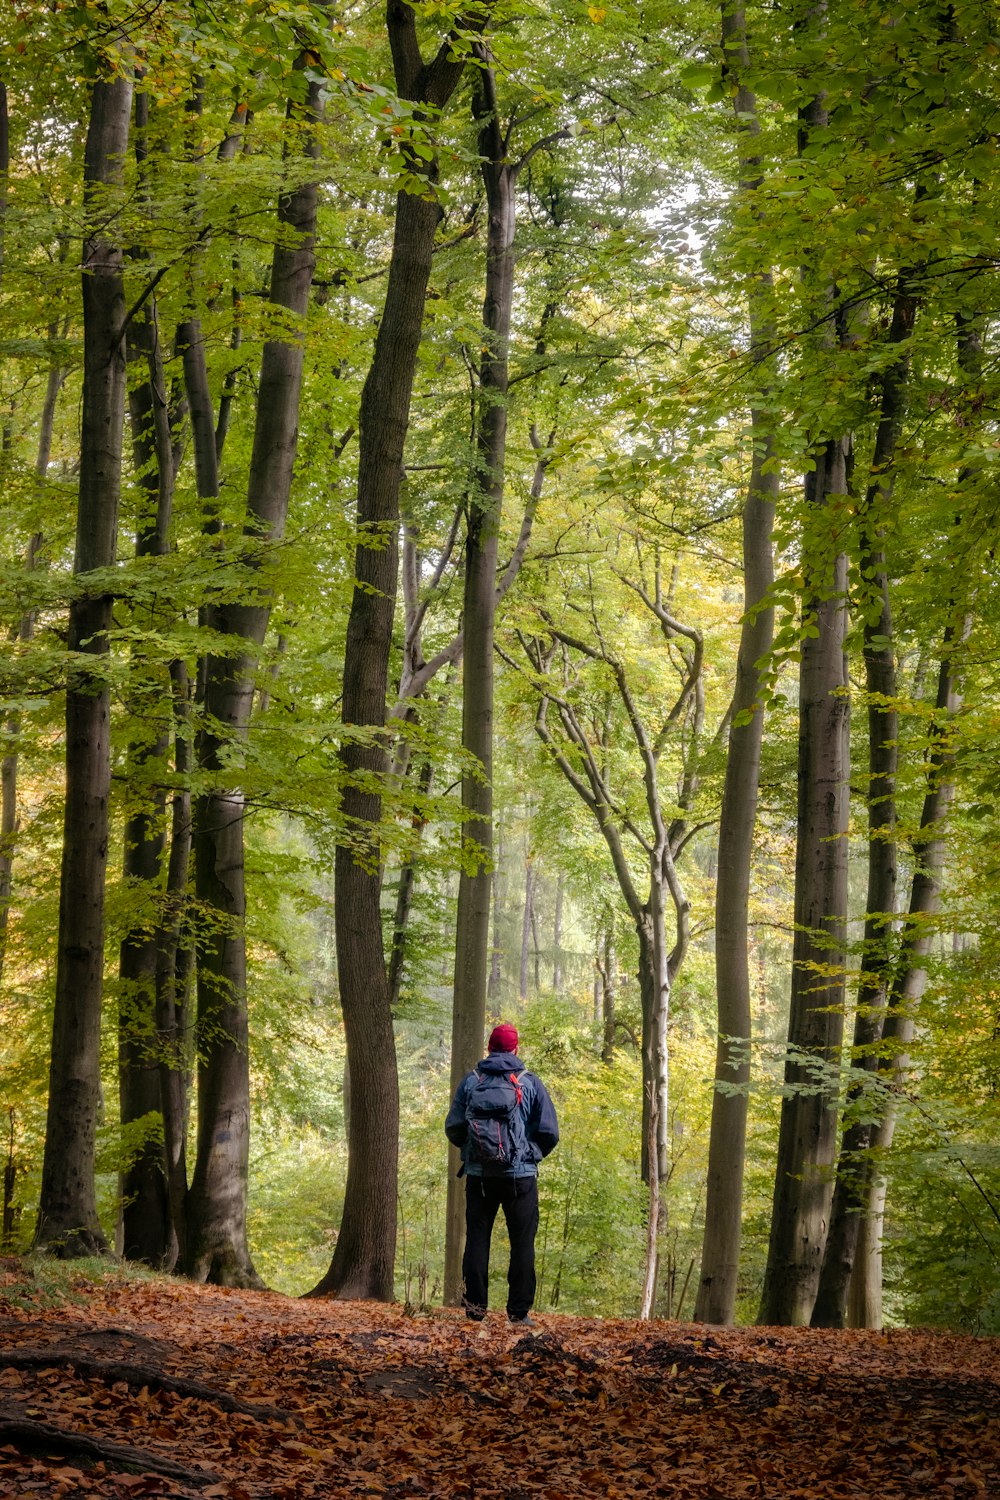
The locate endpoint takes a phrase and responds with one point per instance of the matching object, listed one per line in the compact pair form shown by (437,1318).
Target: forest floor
(124,1388)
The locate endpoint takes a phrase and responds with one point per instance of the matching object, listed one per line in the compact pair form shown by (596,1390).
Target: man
(504,1122)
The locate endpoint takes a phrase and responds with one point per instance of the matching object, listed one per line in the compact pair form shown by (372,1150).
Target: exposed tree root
(138,1376)
(37,1327)
(41,1438)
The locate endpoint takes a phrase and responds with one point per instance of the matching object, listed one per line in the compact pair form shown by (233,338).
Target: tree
(216,1247)
(807,1137)
(500,172)
(362,1264)
(582,745)
(724,1190)
(148,1233)
(67,1217)
(830,1307)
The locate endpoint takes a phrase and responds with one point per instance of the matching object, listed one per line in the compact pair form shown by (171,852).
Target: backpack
(495,1140)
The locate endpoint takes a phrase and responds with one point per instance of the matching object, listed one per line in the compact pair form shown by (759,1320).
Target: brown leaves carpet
(165,1389)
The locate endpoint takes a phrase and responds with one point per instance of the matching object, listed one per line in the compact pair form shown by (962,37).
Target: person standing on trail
(504,1122)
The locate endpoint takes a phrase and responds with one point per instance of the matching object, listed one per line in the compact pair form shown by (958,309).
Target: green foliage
(637,251)
(298,1178)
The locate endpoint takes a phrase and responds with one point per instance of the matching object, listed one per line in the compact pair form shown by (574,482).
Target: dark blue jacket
(541,1128)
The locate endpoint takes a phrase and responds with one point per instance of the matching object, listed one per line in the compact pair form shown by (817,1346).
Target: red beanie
(503,1038)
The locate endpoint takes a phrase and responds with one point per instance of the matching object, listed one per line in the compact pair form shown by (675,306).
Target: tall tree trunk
(146,1232)
(654,989)
(216,1247)
(10,1168)
(609,978)
(557,925)
(174,954)
(25,631)
(865,1302)
(4,168)
(363,1261)
(716,1300)
(404,895)
(830,1310)
(529,897)
(67,1215)
(145,1213)
(720,1256)
(807,1136)
(656,1201)
(493,984)
(174,968)
(207,437)
(660,965)
(536,947)
(808,1131)
(484,509)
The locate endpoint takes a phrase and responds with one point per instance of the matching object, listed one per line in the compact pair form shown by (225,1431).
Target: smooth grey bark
(484,508)
(10,1213)
(145,1217)
(216,1248)
(4,168)
(716,1299)
(493,983)
(557,926)
(609,994)
(529,896)
(8,835)
(850,1192)
(236,136)
(536,947)
(174,972)
(67,1215)
(830,1309)
(929,845)
(152,1201)
(864,1302)
(145,1227)
(658,967)
(25,630)
(404,893)
(173,939)
(720,1256)
(363,1261)
(207,435)
(807,1136)
(190,345)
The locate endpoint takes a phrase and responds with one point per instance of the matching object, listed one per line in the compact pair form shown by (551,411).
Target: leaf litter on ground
(165,1389)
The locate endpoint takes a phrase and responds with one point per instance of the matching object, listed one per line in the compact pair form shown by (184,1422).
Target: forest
(499,524)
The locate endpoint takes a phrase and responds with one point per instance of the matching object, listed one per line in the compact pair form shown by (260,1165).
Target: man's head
(503,1038)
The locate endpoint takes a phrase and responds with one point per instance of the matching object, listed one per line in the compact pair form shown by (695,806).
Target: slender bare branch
(600,810)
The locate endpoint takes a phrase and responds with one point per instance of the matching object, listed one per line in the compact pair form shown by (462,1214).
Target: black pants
(518,1197)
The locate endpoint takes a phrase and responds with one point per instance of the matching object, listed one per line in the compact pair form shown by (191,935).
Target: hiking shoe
(475,1314)
(526,1322)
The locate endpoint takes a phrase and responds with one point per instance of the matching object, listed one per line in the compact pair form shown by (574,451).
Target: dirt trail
(164,1389)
